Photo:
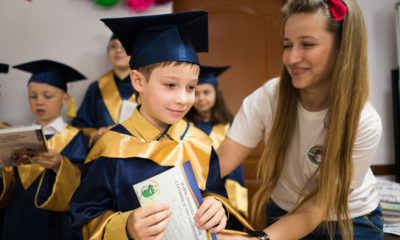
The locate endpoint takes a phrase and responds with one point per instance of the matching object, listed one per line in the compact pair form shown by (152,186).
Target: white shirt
(253,123)
(55,127)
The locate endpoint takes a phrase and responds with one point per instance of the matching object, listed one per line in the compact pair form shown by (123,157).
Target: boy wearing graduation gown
(110,99)
(3,69)
(155,138)
(210,114)
(36,196)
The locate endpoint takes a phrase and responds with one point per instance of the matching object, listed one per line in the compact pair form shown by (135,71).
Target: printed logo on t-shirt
(314,154)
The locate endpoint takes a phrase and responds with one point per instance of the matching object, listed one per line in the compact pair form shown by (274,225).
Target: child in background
(155,138)
(36,196)
(210,114)
(3,69)
(109,100)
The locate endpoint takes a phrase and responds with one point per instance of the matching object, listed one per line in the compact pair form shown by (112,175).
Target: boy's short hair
(148,69)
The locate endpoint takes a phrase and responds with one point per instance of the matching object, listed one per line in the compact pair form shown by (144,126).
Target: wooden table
(391,237)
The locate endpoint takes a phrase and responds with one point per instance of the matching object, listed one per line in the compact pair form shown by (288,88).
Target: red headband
(337,9)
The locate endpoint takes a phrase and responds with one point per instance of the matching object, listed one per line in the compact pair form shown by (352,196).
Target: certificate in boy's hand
(177,187)
(18,145)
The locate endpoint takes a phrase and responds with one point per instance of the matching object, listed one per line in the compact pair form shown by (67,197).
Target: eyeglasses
(115,47)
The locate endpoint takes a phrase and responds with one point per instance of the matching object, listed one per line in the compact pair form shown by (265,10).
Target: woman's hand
(148,222)
(50,159)
(211,216)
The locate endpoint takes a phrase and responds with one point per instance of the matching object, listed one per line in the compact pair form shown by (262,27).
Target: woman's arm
(301,223)
(289,227)
(249,127)
(231,154)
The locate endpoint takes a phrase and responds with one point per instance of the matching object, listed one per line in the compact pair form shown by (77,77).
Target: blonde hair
(348,94)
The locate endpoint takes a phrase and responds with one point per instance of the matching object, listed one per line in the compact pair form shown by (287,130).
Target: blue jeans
(366,227)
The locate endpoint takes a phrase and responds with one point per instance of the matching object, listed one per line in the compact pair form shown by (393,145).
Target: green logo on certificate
(148,191)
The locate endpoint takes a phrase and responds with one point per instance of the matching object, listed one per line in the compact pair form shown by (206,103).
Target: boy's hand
(100,133)
(50,159)
(211,216)
(148,222)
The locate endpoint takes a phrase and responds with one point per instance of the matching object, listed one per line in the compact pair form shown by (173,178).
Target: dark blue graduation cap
(4,68)
(51,72)
(159,38)
(113,37)
(210,74)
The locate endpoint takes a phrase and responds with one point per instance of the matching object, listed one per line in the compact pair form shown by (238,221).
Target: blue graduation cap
(51,72)
(113,37)
(4,68)
(210,74)
(159,38)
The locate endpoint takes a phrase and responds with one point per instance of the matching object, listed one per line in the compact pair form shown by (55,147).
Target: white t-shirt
(253,123)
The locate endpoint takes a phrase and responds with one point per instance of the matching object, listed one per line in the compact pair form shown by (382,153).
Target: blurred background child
(3,69)
(210,114)
(109,100)
(36,196)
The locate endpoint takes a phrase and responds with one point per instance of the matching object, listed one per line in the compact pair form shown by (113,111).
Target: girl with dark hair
(210,114)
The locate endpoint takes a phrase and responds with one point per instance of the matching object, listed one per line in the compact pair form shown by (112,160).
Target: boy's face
(168,95)
(46,101)
(117,54)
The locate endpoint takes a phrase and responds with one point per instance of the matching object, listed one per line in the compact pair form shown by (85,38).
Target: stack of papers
(389,193)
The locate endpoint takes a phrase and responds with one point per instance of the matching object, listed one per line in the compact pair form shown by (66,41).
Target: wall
(380,19)
(69,31)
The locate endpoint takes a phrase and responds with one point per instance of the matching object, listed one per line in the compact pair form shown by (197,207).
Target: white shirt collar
(55,127)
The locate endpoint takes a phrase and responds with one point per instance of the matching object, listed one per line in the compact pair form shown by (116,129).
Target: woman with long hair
(320,130)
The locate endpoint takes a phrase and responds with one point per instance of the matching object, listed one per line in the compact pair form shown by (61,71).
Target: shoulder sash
(111,97)
(218,134)
(195,147)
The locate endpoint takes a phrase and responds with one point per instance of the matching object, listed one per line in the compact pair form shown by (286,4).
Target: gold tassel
(71,111)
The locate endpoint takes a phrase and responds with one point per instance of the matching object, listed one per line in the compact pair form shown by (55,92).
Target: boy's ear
(65,98)
(137,80)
